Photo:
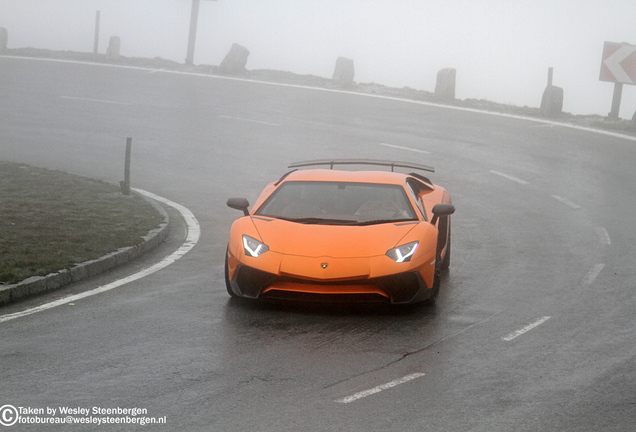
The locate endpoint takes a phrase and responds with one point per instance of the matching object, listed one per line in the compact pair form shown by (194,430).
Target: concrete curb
(40,284)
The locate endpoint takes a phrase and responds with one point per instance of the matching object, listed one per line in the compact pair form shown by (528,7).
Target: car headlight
(253,247)
(402,253)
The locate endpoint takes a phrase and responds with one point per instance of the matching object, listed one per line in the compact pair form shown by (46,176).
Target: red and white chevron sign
(619,63)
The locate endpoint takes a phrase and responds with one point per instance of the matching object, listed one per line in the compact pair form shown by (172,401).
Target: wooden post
(125,185)
(194,18)
(4,38)
(616,101)
(96,44)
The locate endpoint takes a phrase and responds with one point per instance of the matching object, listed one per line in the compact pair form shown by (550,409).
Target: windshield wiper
(382,221)
(321,221)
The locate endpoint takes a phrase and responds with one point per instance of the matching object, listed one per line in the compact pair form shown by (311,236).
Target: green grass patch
(50,220)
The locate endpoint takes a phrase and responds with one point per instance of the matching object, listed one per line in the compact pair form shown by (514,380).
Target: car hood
(337,241)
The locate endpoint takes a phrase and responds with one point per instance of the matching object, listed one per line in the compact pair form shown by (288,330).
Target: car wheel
(434,291)
(447,256)
(227,277)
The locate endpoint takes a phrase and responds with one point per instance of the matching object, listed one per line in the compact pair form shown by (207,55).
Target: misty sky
(502,49)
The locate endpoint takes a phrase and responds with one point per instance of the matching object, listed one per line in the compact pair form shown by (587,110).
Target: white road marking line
(405,148)
(379,388)
(509,177)
(249,120)
(353,93)
(526,329)
(95,100)
(193,233)
(603,235)
(567,202)
(592,274)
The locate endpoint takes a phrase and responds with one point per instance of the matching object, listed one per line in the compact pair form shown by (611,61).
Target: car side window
(414,190)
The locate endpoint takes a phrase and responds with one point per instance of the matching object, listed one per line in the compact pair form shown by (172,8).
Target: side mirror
(442,210)
(239,204)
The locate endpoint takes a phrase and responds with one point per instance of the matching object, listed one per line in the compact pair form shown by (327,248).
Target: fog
(502,49)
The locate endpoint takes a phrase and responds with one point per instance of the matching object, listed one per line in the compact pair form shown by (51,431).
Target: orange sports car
(351,235)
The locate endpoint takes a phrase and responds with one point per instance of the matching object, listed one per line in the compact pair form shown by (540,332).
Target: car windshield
(345,203)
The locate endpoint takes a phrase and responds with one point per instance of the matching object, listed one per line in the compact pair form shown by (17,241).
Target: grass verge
(50,220)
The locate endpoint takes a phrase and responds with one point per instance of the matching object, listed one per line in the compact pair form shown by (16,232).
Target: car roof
(383,177)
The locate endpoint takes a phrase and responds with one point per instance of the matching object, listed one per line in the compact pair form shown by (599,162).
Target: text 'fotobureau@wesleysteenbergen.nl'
(11,415)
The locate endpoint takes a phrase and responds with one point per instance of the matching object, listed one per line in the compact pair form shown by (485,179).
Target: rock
(344,72)
(112,52)
(552,101)
(445,85)
(235,60)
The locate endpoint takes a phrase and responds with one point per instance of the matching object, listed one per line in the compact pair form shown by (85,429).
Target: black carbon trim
(401,288)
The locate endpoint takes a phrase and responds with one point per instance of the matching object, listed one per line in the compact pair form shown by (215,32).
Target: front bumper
(408,287)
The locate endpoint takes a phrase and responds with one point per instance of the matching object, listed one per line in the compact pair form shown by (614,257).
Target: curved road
(534,328)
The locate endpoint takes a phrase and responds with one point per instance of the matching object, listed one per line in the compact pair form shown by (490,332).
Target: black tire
(434,291)
(447,257)
(228,286)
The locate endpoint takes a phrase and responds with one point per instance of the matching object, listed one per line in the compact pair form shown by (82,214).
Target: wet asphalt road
(534,329)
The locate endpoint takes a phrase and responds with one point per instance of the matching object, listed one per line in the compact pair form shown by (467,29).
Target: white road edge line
(354,93)
(405,148)
(249,120)
(603,235)
(509,177)
(567,202)
(95,100)
(526,329)
(193,234)
(593,274)
(379,388)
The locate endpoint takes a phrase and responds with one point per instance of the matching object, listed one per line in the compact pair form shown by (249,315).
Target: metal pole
(550,73)
(96,45)
(125,185)
(194,17)
(616,101)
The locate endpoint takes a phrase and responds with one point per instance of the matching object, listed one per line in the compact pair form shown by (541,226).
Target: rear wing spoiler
(332,162)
